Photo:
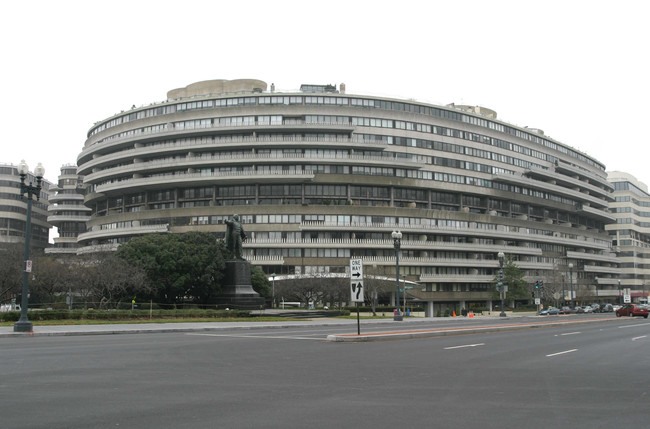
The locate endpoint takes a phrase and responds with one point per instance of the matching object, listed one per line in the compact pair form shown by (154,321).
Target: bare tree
(113,280)
(11,270)
(376,283)
(50,279)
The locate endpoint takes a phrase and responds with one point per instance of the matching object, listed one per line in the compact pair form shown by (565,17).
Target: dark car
(607,308)
(632,310)
(566,310)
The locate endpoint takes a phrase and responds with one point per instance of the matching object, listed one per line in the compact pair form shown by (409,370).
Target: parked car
(566,310)
(632,310)
(607,308)
(587,309)
(595,308)
(549,311)
(578,309)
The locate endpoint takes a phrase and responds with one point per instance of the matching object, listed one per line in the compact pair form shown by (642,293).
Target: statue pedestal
(237,290)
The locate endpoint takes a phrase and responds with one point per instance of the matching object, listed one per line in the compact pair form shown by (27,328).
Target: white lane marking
(570,333)
(633,326)
(561,353)
(257,336)
(466,345)
(638,338)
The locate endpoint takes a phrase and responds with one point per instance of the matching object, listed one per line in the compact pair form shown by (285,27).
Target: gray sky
(576,69)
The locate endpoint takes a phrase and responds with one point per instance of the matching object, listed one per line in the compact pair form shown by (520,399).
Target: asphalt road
(585,376)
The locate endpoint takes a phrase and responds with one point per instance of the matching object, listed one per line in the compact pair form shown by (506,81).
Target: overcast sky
(576,69)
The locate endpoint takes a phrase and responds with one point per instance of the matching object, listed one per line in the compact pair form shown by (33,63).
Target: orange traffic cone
(454,313)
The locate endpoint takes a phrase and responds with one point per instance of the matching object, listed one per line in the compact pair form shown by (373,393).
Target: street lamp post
(23,324)
(620,296)
(404,288)
(397,242)
(501,256)
(273,291)
(571,285)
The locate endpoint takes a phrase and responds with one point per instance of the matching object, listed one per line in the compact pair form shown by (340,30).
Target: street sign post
(356,285)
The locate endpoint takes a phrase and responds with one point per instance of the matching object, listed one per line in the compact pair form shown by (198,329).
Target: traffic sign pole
(356,285)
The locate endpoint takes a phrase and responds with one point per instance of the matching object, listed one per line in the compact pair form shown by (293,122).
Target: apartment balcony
(201,179)
(112,247)
(450,296)
(519,180)
(604,216)
(122,232)
(456,278)
(562,167)
(450,262)
(197,162)
(60,250)
(65,197)
(501,233)
(570,182)
(388,244)
(608,258)
(70,207)
(110,144)
(54,219)
(598,269)
(236,143)
(265,259)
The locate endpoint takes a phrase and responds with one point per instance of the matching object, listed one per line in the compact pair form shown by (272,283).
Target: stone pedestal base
(237,290)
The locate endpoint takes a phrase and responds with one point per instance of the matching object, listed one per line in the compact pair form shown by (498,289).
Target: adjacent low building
(319,176)
(13,209)
(631,235)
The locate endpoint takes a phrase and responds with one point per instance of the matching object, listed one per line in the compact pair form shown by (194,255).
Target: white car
(587,309)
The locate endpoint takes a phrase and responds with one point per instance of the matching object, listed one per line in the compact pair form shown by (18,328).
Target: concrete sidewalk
(142,328)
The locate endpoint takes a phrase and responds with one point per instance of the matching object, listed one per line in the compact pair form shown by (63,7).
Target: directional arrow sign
(356,279)
(356,290)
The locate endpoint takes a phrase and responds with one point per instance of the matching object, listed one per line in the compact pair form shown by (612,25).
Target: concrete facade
(318,178)
(67,211)
(631,234)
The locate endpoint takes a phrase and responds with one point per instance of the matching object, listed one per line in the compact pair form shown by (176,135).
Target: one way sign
(356,280)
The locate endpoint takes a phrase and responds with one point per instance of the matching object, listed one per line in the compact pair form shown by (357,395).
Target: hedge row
(381,309)
(12,316)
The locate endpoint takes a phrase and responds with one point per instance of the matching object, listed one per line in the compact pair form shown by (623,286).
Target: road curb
(441,332)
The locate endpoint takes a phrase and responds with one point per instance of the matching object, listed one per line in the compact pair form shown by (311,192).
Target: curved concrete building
(320,176)
(67,211)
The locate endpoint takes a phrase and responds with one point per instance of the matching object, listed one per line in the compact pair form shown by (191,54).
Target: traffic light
(536,284)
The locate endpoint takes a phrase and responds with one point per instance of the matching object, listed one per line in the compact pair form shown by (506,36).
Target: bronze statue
(235,236)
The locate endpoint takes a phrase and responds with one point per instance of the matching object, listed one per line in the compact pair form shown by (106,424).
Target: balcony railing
(197,177)
(221,142)
(501,233)
(388,244)
(113,232)
(257,159)
(139,133)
